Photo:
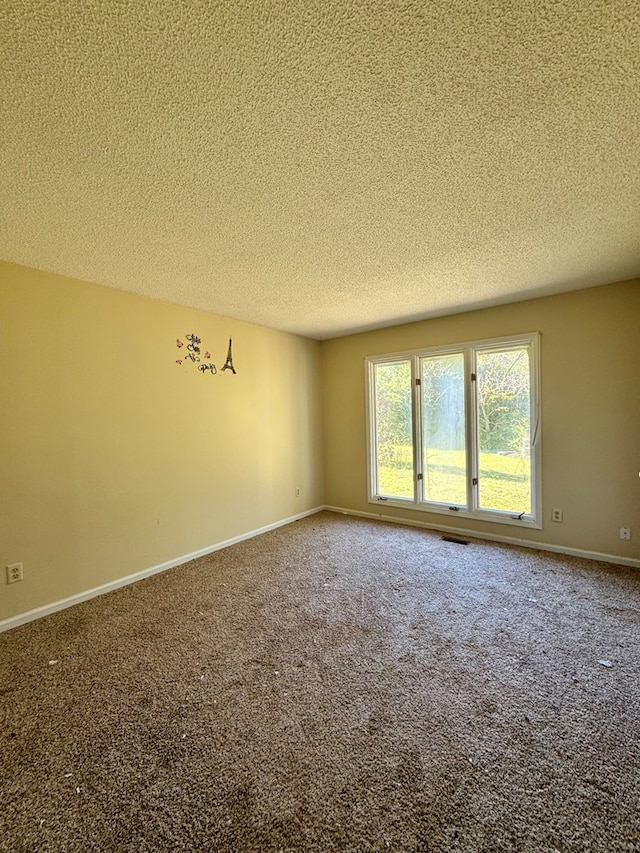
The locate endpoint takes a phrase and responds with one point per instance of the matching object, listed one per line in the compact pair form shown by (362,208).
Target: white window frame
(469,350)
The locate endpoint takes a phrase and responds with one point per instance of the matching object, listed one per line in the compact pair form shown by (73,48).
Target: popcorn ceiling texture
(322,166)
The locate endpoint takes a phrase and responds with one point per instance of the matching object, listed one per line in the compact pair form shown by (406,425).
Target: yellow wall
(590,399)
(114,459)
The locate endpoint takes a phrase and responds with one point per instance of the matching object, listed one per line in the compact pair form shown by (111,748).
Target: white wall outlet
(625,533)
(15,573)
(556,515)
(298,490)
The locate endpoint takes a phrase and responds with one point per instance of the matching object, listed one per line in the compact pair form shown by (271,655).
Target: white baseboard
(491,537)
(62,604)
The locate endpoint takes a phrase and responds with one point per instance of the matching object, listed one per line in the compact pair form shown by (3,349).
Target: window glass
(394,431)
(444,455)
(504,435)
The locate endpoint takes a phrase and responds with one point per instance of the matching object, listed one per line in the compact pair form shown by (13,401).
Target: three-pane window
(456,429)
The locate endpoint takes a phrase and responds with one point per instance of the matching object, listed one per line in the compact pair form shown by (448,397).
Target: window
(456,430)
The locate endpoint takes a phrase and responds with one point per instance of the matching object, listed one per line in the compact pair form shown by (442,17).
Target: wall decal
(194,354)
(228,365)
(193,348)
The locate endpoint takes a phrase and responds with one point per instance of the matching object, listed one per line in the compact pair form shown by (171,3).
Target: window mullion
(471,389)
(416,381)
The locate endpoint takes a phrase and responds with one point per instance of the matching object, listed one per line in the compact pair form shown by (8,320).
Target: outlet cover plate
(15,573)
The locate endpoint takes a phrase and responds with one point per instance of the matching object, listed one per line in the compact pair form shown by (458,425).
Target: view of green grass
(504,479)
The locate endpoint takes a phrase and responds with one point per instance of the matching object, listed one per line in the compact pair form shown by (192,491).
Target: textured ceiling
(323,166)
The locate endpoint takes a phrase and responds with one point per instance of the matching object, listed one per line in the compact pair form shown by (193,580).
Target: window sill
(480,515)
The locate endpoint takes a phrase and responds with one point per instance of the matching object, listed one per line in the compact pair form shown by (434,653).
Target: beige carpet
(335,685)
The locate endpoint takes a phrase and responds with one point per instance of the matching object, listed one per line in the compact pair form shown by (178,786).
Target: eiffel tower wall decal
(228,365)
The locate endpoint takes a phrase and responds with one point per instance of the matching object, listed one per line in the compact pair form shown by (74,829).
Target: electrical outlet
(556,515)
(298,492)
(625,533)
(15,573)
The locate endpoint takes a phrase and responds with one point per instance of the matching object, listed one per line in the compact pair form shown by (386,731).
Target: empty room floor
(337,684)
